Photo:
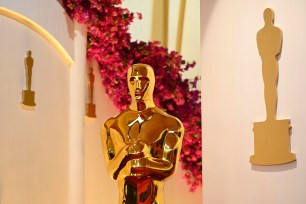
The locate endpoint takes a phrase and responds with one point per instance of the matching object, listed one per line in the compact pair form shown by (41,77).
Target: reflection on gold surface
(142,144)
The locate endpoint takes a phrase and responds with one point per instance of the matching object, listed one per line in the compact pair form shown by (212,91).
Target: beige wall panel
(234,99)
(34,144)
(35,155)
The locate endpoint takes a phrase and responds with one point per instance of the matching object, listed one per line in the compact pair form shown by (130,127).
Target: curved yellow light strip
(38,29)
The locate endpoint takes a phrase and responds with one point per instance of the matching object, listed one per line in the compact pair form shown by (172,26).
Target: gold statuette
(28,95)
(271,137)
(142,144)
(91,107)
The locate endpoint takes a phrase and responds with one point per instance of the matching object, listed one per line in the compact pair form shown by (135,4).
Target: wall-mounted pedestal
(272,143)
(28,98)
(91,110)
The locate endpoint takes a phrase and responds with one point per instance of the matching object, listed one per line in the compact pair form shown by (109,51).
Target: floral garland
(109,43)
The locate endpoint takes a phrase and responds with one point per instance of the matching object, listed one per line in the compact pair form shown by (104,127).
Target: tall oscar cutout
(142,144)
(28,96)
(272,137)
(91,107)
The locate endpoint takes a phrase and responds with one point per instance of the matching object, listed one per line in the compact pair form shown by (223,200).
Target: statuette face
(141,82)
(142,144)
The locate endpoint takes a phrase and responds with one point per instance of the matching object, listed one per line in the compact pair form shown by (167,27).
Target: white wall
(48,14)
(36,157)
(233,90)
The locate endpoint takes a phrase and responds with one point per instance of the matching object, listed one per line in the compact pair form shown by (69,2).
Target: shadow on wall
(60,2)
(207,8)
(275,168)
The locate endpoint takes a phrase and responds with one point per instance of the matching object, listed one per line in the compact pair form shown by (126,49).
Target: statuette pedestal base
(91,110)
(272,143)
(28,98)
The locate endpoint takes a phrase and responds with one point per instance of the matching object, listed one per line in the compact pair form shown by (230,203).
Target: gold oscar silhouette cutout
(28,95)
(90,107)
(142,144)
(272,137)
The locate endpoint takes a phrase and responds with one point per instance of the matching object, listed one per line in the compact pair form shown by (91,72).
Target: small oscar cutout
(272,136)
(28,96)
(90,107)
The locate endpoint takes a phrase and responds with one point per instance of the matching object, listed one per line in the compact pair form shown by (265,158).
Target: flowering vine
(109,43)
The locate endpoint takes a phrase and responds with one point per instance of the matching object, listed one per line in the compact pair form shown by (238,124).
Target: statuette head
(269,15)
(141,80)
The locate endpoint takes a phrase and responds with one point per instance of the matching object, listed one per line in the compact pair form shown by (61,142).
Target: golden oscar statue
(142,144)
(28,96)
(91,107)
(272,136)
